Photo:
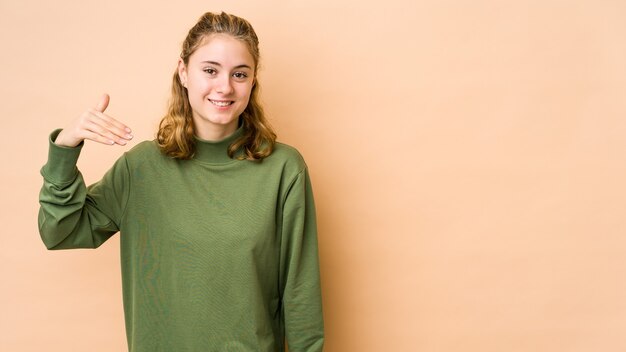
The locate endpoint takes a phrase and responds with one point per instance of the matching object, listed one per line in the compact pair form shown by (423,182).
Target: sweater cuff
(61,165)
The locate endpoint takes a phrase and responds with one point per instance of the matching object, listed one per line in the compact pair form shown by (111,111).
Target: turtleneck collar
(216,152)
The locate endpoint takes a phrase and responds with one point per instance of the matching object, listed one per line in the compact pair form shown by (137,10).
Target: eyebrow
(220,65)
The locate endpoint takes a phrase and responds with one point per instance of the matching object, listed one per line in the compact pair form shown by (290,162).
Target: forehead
(224,49)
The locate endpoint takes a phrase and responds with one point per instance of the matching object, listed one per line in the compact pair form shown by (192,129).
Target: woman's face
(219,78)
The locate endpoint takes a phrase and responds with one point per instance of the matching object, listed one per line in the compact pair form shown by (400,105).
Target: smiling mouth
(221,103)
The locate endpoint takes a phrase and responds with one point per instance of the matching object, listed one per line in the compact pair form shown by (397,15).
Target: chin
(222,120)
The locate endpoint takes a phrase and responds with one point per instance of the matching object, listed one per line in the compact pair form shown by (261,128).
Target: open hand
(95,125)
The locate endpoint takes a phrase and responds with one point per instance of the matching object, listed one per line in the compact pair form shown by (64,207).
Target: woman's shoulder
(147,150)
(288,155)
(143,147)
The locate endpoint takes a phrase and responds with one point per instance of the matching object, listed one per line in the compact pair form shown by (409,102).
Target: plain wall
(467,158)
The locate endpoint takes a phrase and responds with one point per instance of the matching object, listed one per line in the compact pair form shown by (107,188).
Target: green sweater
(217,254)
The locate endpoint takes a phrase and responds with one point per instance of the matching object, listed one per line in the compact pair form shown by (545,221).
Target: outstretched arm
(72,215)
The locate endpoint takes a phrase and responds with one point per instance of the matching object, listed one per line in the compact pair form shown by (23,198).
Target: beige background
(467,157)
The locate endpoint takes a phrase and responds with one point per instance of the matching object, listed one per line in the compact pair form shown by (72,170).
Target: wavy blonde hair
(176,130)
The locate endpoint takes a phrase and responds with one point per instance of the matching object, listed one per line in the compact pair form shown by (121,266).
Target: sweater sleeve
(301,295)
(72,215)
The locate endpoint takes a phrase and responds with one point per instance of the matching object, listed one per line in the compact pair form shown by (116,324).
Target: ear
(182,72)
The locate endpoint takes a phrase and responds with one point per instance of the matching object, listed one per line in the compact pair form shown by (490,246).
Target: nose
(224,85)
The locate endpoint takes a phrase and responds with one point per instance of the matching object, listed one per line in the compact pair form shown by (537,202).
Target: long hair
(176,130)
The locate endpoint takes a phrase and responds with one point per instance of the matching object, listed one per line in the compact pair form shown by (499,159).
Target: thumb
(104,102)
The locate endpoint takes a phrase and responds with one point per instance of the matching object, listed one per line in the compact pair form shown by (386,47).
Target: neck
(216,150)
(215,132)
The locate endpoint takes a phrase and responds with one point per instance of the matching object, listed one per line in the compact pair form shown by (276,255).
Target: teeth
(221,103)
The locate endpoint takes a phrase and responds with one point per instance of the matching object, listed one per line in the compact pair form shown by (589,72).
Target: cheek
(198,85)
(245,92)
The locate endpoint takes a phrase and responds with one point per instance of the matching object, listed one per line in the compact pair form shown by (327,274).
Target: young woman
(217,220)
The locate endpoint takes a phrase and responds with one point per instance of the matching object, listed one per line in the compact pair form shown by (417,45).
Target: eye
(209,70)
(240,75)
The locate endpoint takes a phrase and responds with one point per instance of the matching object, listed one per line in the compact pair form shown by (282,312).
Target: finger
(92,136)
(103,103)
(104,132)
(112,124)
